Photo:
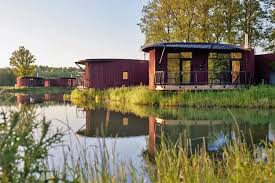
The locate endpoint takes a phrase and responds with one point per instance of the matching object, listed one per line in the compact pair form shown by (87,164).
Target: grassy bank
(254,97)
(34,90)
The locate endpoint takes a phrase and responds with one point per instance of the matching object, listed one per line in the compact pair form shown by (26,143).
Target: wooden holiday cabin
(29,82)
(199,66)
(265,68)
(65,82)
(108,73)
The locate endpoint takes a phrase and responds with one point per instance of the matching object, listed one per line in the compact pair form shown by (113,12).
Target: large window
(179,67)
(186,71)
(218,67)
(173,68)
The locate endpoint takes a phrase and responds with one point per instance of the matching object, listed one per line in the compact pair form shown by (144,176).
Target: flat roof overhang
(192,46)
(103,60)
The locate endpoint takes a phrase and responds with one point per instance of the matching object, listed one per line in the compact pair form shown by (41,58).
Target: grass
(35,90)
(262,96)
(237,163)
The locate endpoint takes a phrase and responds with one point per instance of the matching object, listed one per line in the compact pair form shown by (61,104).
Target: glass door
(185,71)
(236,68)
(173,68)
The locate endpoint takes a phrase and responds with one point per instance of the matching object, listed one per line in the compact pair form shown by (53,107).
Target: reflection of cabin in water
(35,99)
(28,99)
(179,66)
(107,73)
(215,133)
(106,123)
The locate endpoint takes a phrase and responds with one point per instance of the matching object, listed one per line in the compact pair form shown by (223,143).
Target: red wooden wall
(29,82)
(263,68)
(108,73)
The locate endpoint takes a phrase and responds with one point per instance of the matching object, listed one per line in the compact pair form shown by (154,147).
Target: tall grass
(237,163)
(254,97)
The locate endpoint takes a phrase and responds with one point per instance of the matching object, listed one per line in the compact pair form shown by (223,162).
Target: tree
(207,21)
(271,33)
(22,62)
(7,77)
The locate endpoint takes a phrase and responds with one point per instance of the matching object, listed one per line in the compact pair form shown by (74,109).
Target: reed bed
(255,97)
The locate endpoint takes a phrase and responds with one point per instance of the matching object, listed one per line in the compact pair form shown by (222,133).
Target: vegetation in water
(254,97)
(236,163)
(24,145)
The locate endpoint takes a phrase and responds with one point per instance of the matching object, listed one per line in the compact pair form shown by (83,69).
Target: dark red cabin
(265,68)
(29,82)
(181,65)
(108,73)
(65,82)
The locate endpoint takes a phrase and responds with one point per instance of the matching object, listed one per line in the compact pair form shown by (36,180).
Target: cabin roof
(103,60)
(192,45)
(29,77)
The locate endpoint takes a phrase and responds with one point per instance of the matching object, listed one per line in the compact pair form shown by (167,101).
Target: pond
(127,132)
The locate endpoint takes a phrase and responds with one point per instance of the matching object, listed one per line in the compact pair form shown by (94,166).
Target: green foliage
(22,62)
(22,150)
(271,31)
(7,78)
(56,72)
(206,21)
(254,97)
(238,163)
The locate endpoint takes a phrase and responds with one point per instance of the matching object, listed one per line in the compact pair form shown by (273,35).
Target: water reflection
(215,134)
(106,123)
(142,126)
(37,99)
(214,128)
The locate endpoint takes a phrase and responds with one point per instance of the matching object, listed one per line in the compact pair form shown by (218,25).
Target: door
(185,75)
(179,68)
(236,68)
(173,68)
(199,68)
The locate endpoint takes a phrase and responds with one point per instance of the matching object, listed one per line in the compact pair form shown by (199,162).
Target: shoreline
(34,90)
(262,96)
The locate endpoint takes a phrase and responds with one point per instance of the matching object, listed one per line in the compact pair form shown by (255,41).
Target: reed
(262,96)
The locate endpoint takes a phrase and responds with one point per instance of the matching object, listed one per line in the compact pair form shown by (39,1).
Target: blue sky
(59,32)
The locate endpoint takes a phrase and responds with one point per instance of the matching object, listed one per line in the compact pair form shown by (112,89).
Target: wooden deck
(196,87)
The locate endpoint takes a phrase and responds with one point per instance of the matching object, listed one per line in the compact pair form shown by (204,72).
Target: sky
(60,32)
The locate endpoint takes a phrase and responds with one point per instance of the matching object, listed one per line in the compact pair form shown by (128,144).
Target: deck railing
(203,77)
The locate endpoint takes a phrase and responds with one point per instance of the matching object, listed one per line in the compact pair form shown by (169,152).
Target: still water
(127,132)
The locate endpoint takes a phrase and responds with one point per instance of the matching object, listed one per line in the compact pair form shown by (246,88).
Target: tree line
(8,77)
(209,21)
(22,63)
